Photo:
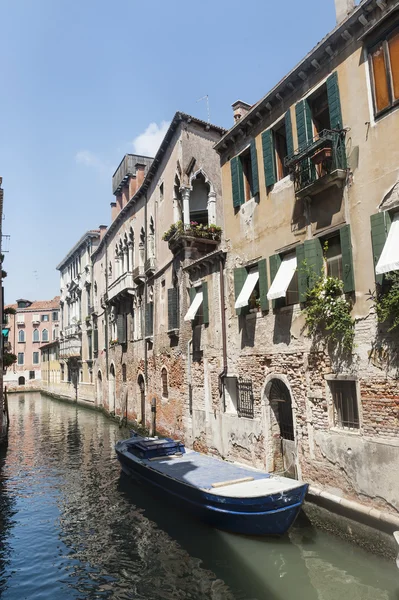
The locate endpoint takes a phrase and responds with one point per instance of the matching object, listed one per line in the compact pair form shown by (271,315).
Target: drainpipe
(190,390)
(145,292)
(223,374)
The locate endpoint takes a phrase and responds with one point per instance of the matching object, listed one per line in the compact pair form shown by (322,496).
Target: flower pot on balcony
(321,155)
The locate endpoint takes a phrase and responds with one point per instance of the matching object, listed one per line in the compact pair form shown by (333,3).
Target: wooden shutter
(334,102)
(192,293)
(393,46)
(303,123)
(254,168)
(274,262)
(121,329)
(237,182)
(173,308)
(380,224)
(379,69)
(263,284)
(302,277)
(149,319)
(205,303)
(240,276)
(314,259)
(95,341)
(288,134)
(269,162)
(347,259)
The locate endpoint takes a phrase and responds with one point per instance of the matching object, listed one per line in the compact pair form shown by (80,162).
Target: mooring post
(153,416)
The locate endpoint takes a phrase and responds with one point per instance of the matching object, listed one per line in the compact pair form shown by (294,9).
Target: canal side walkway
(365,526)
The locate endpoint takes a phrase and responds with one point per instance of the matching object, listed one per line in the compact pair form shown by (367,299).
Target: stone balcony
(71,347)
(138,274)
(122,285)
(196,240)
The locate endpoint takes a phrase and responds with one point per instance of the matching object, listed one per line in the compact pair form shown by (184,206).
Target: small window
(31,374)
(36,335)
(21,336)
(384,72)
(333,257)
(55,315)
(246,164)
(44,335)
(62,372)
(45,318)
(164,376)
(35,358)
(319,108)
(280,144)
(20,358)
(346,413)
(161,192)
(124,372)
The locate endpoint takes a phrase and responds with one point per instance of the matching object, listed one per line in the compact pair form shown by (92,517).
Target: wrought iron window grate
(346,414)
(245,398)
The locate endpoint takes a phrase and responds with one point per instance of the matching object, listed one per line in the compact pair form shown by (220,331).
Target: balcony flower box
(321,155)
(193,230)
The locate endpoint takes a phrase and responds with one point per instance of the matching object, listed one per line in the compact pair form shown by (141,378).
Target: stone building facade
(33,324)
(167,214)
(310,178)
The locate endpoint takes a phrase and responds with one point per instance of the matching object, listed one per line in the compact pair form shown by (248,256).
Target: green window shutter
(380,224)
(314,259)
(263,284)
(240,276)
(269,163)
(288,133)
(254,167)
(334,102)
(274,262)
(121,329)
(237,182)
(205,303)
(192,292)
(149,319)
(173,308)
(95,340)
(347,259)
(303,123)
(302,278)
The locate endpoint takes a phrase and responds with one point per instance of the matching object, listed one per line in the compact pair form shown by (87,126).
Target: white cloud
(89,159)
(147,143)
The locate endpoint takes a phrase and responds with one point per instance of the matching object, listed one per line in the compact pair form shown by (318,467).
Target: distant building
(76,343)
(34,323)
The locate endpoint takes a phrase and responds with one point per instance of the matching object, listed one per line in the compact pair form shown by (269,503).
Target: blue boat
(225,495)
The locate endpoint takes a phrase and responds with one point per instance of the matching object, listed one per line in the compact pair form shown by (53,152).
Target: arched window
(36,336)
(21,336)
(164,377)
(44,335)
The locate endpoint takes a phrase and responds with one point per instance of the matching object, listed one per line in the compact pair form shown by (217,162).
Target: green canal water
(71,526)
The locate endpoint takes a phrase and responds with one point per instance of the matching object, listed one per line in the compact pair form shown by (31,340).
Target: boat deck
(229,479)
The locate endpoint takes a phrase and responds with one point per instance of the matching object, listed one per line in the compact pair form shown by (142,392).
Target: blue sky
(83,83)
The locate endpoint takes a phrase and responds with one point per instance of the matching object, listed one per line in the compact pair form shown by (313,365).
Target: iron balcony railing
(318,158)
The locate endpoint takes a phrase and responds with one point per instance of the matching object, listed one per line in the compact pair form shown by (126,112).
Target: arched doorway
(141,384)
(99,391)
(281,435)
(111,399)
(21,380)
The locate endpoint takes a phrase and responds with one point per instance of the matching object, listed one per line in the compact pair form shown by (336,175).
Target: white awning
(247,289)
(389,259)
(285,273)
(195,304)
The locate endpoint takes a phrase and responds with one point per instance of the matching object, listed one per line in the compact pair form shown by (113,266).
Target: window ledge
(173,332)
(342,430)
(282,184)
(255,315)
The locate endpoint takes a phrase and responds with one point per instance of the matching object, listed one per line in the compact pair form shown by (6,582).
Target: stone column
(131,254)
(185,192)
(212,208)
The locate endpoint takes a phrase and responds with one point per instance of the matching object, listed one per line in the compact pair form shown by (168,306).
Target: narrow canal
(71,526)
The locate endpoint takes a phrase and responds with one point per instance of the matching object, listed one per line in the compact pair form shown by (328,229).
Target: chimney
(103,229)
(132,186)
(125,195)
(343,8)
(140,172)
(114,211)
(240,109)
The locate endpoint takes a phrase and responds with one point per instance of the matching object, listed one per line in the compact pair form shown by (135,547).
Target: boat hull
(265,515)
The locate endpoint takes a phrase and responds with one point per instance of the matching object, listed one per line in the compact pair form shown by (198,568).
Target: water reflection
(73,526)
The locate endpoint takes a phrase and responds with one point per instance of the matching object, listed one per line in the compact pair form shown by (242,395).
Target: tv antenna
(206,97)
